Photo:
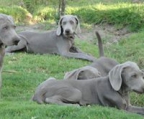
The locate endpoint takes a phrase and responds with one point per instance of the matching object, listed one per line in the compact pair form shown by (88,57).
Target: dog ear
(115,77)
(72,75)
(78,29)
(86,72)
(115,74)
(59,29)
(10,18)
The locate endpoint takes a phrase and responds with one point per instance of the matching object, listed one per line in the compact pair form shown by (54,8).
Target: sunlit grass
(23,72)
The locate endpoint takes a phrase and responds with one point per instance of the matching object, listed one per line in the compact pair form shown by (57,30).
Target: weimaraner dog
(87,72)
(103,65)
(8,37)
(112,90)
(59,42)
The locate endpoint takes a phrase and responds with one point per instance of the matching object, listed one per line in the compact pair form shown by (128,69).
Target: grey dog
(59,42)
(112,90)
(100,67)
(8,37)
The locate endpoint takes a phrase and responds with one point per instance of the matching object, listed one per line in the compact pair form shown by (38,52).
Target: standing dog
(8,37)
(59,42)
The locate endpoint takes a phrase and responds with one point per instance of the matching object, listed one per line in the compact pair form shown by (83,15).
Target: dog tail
(100,44)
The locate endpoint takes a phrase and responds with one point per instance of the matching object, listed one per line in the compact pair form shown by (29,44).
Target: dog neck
(71,37)
(124,90)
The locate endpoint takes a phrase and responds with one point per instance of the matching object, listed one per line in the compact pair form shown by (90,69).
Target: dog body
(99,67)
(48,42)
(112,90)
(8,37)
(59,42)
(104,65)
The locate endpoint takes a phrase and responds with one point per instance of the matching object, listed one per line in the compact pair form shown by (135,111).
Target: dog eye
(14,26)
(134,76)
(64,23)
(71,22)
(5,27)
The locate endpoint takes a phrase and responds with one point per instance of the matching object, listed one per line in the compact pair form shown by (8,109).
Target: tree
(61,8)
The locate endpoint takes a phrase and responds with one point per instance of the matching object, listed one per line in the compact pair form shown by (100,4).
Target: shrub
(122,14)
(45,13)
(19,14)
(131,15)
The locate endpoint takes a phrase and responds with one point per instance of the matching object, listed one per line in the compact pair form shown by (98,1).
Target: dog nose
(67,31)
(16,42)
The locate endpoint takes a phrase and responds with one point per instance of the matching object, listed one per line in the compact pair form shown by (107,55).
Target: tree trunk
(61,8)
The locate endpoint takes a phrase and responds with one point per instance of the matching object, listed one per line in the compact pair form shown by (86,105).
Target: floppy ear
(115,77)
(78,29)
(59,29)
(84,72)
(10,18)
(72,75)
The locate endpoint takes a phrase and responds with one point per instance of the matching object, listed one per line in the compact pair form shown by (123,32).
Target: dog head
(127,75)
(68,25)
(8,36)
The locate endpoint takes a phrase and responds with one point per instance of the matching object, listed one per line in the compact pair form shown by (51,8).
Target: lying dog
(59,42)
(87,72)
(112,90)
(103,65)
(8,37)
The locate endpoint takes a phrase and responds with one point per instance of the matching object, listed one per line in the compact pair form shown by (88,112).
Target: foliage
(119,15)
(122,14)
(45,13)
(19,13)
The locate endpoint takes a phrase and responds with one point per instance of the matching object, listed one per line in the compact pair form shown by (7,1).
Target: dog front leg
(79,56)
(21,45)
(135,109)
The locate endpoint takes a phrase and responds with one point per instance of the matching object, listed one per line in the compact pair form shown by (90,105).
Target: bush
(130,15)
(122,14)
(45,13)
(19,14)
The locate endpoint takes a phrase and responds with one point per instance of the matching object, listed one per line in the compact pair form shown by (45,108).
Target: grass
(129,49)
(32,111)
(23,72)
(118,13)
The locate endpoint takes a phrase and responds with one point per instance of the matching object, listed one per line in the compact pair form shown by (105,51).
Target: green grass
(22,110)
(118,13)
(23,72)
(130,49)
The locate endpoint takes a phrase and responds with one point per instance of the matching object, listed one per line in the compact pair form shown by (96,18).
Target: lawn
(23,72)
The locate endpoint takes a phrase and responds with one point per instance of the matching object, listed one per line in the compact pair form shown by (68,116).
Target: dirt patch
(108,33)
(35,27)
